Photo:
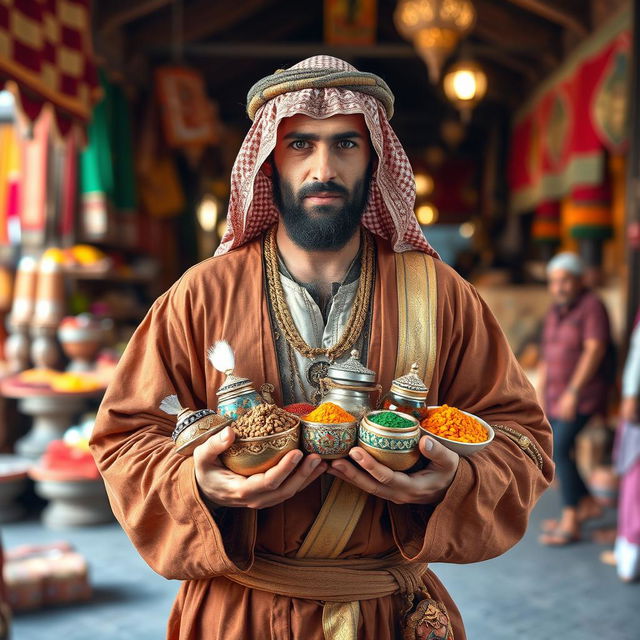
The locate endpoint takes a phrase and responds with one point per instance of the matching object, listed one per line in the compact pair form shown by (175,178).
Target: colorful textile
(107,178)
(560,138)
(9,176)
(627,548)
(389,212)
(33,189)
(546,224)
(589,214)
(46,49)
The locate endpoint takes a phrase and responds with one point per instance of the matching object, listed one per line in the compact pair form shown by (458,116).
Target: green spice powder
(390,419)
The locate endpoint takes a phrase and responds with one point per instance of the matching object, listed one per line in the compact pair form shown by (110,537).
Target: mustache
(321,187)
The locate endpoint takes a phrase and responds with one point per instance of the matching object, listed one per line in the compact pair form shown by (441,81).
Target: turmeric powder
(453,424)
(329,413)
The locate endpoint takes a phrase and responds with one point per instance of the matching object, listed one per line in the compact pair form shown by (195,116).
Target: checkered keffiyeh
(46,49)
(389,213)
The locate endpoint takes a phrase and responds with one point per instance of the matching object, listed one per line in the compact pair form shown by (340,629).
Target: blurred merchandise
(81,338)
(41,575)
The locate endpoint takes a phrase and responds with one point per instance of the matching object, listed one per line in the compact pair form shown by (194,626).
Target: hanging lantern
(207,213)
(427,214)
(435,28)
(465,84)
(424,184)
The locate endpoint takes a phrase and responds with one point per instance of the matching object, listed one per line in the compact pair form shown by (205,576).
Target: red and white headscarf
(389,213)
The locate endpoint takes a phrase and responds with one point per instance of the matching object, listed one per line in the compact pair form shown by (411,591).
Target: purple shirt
(564,333)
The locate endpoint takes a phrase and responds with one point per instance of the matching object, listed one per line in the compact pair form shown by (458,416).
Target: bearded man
(322,254)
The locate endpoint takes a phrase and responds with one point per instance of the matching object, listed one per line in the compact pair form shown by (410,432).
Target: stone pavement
(530,592)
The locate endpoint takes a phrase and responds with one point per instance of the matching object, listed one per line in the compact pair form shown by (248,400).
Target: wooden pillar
(633,174)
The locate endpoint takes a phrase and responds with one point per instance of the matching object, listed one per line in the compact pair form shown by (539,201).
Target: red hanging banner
(560,138)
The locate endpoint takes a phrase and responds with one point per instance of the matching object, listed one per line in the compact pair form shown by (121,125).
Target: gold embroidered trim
(524,442)
(417,300)
(335,523)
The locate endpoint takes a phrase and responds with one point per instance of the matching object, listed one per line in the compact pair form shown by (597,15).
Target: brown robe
(154,494)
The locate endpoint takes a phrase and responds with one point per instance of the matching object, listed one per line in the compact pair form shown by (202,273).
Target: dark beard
(330,227)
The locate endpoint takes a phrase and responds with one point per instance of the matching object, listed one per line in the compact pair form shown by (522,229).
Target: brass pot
(395,448)
(195,432)
(249,456)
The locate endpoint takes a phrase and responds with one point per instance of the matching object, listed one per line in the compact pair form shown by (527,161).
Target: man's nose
(323,168)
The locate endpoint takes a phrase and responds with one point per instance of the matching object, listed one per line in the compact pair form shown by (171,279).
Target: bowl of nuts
(263,436)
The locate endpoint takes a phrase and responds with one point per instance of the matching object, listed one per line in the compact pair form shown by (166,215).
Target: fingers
(441,458)
(274,477)
(346,471)
(380,472)
(310,470)
(209,451)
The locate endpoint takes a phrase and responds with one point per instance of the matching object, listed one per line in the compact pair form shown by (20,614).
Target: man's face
(564,286)
(321,175)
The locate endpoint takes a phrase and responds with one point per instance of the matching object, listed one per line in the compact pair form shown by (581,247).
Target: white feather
(171,405)
(221,356)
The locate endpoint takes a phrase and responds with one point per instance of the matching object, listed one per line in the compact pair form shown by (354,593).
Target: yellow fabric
(335,523)
(417,299)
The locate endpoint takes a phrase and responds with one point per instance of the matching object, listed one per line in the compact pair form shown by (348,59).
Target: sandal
(558,538)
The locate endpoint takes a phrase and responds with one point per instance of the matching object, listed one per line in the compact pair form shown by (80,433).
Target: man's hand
(227,489)
(568,406)
(426,486)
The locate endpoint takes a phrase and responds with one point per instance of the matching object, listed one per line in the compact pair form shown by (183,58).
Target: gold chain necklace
(358,316)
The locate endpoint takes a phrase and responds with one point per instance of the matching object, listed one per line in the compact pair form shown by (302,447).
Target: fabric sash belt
(332,580)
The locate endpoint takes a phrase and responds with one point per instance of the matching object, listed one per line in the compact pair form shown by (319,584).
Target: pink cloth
(562,344)
(629,505)
(389,213)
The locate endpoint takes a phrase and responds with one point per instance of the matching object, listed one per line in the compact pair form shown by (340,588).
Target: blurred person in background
(626,553)
(572,384)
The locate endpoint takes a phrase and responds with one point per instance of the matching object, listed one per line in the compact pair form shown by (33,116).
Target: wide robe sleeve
(152,489)
(486,509)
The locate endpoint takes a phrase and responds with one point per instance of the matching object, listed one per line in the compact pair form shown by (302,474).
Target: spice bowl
(461,448)
(329,440)
(248,456)
(394,447)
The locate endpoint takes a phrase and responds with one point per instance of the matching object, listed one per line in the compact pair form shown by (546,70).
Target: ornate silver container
(350,385)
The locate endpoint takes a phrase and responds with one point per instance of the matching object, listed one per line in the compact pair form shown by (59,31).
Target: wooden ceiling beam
(118,13)
(295,50)
(201,19)
(515,31)
(569,14)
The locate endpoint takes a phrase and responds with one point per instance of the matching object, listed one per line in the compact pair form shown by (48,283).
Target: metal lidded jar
(350,384)
(237,396)
(408,394)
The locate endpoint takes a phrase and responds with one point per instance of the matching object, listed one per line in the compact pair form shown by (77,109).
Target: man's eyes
(299,145)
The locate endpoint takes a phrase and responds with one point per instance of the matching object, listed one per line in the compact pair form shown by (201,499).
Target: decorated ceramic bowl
(248,456)
(396,448)
(462,448)
(329,441)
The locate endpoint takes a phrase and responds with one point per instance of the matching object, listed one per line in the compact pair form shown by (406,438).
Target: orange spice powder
(451,423)
(329,413)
